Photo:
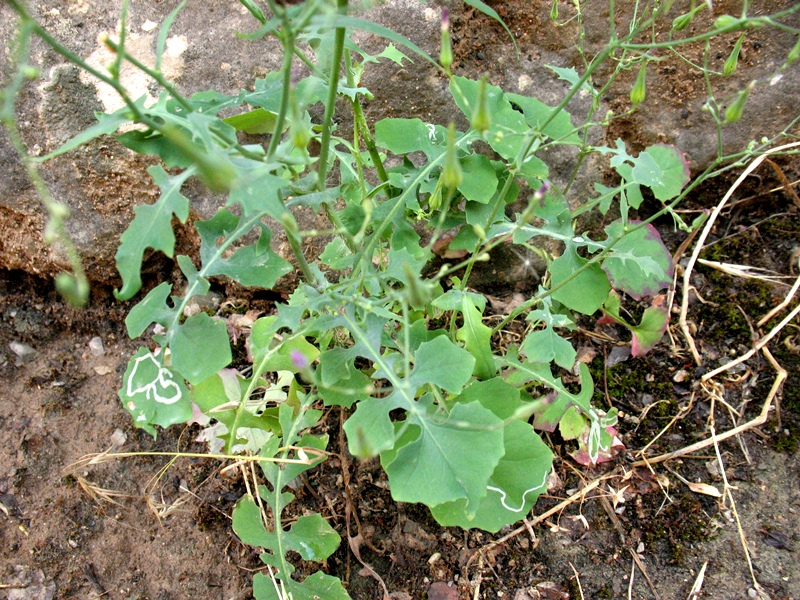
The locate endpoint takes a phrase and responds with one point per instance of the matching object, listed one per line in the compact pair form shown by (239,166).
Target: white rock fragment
(119,437)
(96,346)
(24,352)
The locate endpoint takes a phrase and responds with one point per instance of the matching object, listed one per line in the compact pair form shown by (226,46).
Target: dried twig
(618,526)
(698,583)
(759,420)
(782,305)
(727,492)
(354,542)
(785,183)
(91,577)
(761,343)
(578,580)
(687,274)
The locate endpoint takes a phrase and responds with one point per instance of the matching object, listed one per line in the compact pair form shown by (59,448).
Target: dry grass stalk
(578,496)
(578,580)
(97,493)
(694,593)
(786,301)
(687,274)
(756,422)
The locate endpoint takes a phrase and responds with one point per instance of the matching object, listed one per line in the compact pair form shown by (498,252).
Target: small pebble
(24,352)
(96,346)
(118,438)
(680,376)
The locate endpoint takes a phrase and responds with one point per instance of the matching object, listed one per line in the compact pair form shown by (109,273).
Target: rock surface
(102,181)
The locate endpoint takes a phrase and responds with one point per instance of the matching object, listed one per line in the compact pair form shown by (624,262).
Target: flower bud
(664,8)
(681,22)
(59,211)
(452,175)
(734,112)
(418,292)
(105,39)
(539,194)
(794,53)
(75,291)
(733,60)
(446,52)
(725,21)
(298,129)
(435,200)
(299,360)
(481,118)
(638,89)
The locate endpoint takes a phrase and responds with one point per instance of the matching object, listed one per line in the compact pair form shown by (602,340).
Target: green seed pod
(554,10)
(73,290)
(681,22)
(638,89)
(733,60)
(452,175)
(794,53)
(481,117)
(734,112)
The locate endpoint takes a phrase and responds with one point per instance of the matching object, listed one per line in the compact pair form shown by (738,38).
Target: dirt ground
(126,529)
(169,536)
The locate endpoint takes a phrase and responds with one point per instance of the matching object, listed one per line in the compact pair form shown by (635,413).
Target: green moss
(602,593)
(681,524)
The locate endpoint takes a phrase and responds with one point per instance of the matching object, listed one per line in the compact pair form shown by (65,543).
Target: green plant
(371,328)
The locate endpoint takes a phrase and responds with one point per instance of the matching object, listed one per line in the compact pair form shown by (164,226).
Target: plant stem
(361,123)
(330,103)
(287,39)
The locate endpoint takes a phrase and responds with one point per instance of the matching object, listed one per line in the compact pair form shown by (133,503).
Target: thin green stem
(287,39)
(330,102)
(361,123)
(57,212)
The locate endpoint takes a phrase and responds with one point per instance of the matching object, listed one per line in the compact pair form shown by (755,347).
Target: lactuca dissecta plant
(403,348)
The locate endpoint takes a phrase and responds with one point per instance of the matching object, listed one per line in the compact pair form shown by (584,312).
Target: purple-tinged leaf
(638,264)
(648,332)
